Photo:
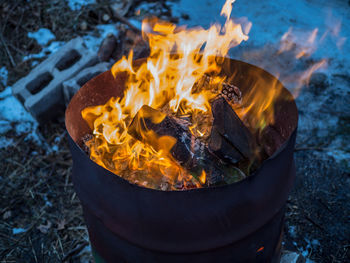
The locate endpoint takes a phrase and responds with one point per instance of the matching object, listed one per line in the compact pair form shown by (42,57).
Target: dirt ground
(37,193)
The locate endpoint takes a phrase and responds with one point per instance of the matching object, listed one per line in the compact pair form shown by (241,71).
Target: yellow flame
(227,9)
(179,57)
(203,177)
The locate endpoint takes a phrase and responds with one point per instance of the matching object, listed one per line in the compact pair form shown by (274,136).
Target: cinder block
(291,257)
(41,90)
(71,86)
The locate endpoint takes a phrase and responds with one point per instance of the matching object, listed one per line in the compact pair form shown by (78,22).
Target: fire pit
(191,153)
(240,222)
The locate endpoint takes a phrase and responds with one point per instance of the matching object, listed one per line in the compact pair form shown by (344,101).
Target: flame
(260,249)
(179,57)
(203,177)
(227,9)
(302,43)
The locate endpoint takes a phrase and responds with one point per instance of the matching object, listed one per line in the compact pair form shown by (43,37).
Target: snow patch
(43,36)
(16,231)
(52,48)
(76,5)
(5,93)
(136,23)
(23,127)
(106,29)
(310,245)
(339,155)
(292,231)
(47,202)
(55,148)
(93,42)
(57,139)
(3,75)
(12,111)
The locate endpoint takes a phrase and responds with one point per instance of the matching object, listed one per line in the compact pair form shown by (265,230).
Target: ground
(41,215)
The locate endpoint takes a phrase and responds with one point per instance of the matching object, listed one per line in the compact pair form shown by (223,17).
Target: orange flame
(260,249)
(178,58)
(203,177)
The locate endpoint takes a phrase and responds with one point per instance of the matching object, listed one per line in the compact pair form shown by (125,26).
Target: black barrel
(241,222)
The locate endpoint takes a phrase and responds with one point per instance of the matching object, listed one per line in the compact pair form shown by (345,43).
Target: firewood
(231,93)
(150,125)
(149,120)
(125,21)
(222,148)
(85,139)
(107,47)
(129,40)
(230,138)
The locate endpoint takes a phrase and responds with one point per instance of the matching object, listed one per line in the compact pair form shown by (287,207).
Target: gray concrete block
(71,86)
(291,257)
(41,90)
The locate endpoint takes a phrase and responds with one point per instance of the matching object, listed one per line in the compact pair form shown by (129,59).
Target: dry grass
(20,17)
(38,196)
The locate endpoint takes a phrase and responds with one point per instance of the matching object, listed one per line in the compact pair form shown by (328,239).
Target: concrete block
(291,257)
(71,86)
(41,90)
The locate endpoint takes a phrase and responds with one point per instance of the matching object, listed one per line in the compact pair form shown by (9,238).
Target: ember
(180,123)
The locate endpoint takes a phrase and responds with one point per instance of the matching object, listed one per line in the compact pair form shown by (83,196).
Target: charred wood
(129,40)
(230,138)
(86,138)
(222,148)
(149,125)
(231,93)
(187,150)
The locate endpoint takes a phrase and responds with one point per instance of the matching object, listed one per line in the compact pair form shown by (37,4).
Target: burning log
(150,125)
(230,139)
(219,146)
(171,134)
(231,93)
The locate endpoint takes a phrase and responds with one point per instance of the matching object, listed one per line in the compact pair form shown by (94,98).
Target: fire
(179,57)
(203,177)
(260,249)
(167,81)
(303,45)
